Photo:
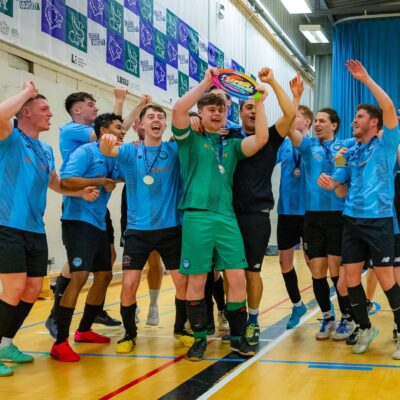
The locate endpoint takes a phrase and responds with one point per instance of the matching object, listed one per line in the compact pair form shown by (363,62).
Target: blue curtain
(376,43)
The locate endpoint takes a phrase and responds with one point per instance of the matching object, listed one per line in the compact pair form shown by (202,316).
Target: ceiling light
(313,33)
(297,6)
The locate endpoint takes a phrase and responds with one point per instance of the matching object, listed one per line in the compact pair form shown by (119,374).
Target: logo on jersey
(163,155)
(186,263)
(337,146)
(77,262)
(126,261)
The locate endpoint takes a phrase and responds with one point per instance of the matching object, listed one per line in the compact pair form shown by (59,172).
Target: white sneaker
(327,327)
(396,354)
(365,337)
(137,318)
(223,324)
(153,317)
(343,330)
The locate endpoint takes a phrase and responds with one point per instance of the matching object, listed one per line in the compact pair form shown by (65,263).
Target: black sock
(322,294)
(22,310)
(358,302)
(343,301)
(64,318)
(197,314)
(208,291)
(219,293)
(7,316)
(61,285)
(237,318)
(180,316)
(292,286)
(89,314)
(128,319)
(393,296)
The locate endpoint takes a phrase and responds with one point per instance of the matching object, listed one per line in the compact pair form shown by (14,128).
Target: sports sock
(7,315)
(292,286)
(89,314)
(393,296)
(253,316)
(21,311)
(322,294)
(154,293)
(128,319)
(197,314)
(64,318)
(61,285)
(219,293)
(208,291)
(343,301)
(358,302)
(237,317)
(180,315)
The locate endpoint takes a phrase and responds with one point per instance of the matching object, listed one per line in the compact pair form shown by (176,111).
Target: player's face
(324,128)
(302,122)
(213,117)
(86,109)
(153,123)
(39,114)
(362,124)
(248,115)
(116,128)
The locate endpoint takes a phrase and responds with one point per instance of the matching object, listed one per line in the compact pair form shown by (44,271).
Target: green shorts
(206,234)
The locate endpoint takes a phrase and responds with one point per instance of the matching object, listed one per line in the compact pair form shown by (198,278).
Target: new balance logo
(385,259)
(397,259)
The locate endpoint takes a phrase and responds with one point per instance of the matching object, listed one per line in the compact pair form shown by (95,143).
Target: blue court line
(106,305)
(343,367)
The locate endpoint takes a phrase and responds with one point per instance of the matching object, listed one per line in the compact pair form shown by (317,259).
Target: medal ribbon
(219,154)
(296,158)
(40,154)
(359,149)
(146,163)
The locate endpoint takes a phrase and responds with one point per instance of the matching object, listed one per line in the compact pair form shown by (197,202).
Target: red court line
(177,359)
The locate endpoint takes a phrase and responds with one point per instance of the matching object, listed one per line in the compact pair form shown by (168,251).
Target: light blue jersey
(25,168)
(369,174)
(292,187)
(318,157)
(88,162)
(73,135)
(151,206)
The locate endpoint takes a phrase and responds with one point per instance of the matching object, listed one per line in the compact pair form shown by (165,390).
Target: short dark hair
(153,107)
(37,97)
(210,99)
(306,111)
(333,117)
(242,103)
(104,121)
(75,98)
(373,111)
(213,87)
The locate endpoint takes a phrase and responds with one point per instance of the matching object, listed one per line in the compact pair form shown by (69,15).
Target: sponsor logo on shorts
(77,262)
(257,266)
(385,259)
(126,261)
(185,263)
(397,259)
(305,246)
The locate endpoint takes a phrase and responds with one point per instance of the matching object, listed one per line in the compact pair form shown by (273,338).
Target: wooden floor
(289,364)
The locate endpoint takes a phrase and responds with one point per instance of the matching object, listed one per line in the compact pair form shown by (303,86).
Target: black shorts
(23,251)
(109,228)
(323,233)
(256,230)
(139,244)
(88,248)
(290,231)
(365,238)
(396,262)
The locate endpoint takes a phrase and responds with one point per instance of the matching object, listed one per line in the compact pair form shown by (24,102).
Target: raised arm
(297,89)
(251,144)
(284,123)
(180,110)
(358,72)
(10,107)
(133,115)
(120,93)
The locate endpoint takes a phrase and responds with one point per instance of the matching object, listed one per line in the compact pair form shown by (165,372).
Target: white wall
(236,36)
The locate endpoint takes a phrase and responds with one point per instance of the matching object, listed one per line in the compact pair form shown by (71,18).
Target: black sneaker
(104,319)
(210,329)
(242,347)
(252,334)
(196,352)
(352,339)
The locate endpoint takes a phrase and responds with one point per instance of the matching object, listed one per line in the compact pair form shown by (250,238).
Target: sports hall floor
(289,364)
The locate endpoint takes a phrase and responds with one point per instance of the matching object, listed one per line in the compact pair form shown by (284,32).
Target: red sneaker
(63,352)
(90,337)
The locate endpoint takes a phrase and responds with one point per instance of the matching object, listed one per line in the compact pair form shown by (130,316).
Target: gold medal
(340,161)
(221,169)
(148,180)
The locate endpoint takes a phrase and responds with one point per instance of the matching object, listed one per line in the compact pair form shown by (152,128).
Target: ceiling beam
(354,10)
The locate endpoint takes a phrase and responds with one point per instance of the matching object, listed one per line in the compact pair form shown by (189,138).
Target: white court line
(255,358)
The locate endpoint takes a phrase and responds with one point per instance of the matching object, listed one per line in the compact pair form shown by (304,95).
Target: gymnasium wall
(235,34)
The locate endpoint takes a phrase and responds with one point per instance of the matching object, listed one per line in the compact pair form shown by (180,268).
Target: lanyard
(146,162)
(327,149)
(219,154)
(243,133)
(40,154)
(359,149)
